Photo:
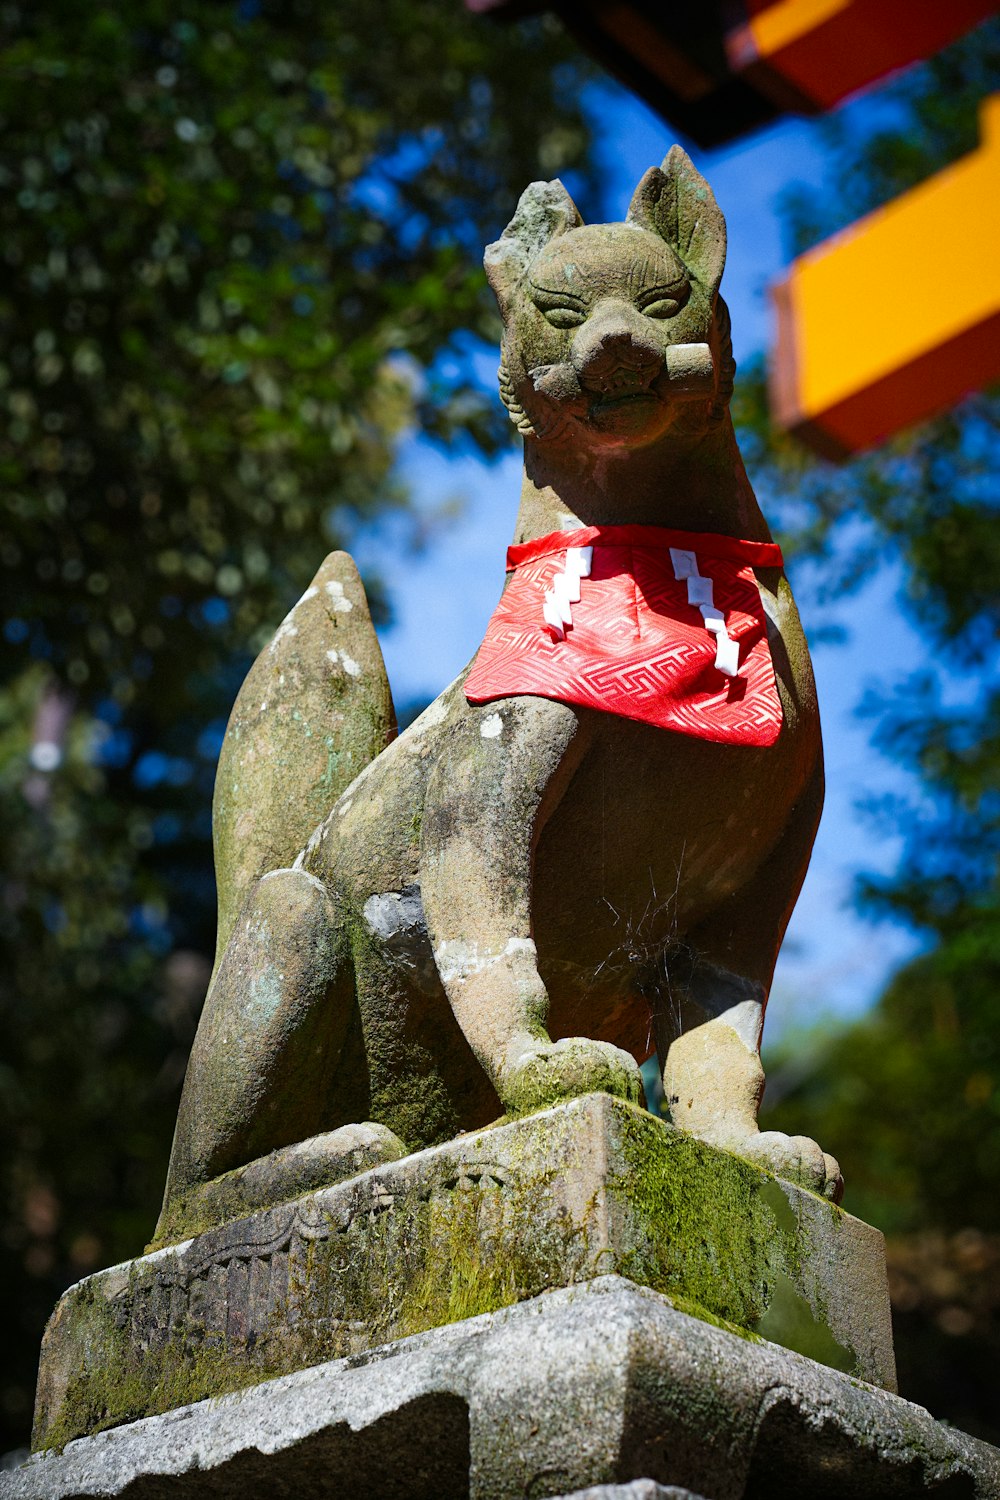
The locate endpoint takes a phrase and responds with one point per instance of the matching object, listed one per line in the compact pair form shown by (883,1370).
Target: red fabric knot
(634,645)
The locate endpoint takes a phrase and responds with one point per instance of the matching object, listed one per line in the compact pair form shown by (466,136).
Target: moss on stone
(416,1105)
(191,1214)
(436,1259)
(695,1310)
(709,1233)
(552,1078)
(721,1235)
(122,1379)
(448,1257)
(599,1186)
(247,1190)
(407,1092)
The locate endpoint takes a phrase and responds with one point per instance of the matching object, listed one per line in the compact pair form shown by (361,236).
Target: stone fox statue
(589,846)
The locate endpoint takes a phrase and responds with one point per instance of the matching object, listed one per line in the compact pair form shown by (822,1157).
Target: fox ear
(675,202)
(544,210)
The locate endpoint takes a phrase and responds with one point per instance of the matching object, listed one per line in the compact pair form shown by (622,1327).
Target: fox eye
(663,302)
(563,316)
(560,308)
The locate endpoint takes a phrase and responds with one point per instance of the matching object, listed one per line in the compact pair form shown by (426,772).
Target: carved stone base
(488,1220)
(602,1388)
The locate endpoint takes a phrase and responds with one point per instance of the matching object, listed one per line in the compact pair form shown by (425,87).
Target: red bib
(666,627)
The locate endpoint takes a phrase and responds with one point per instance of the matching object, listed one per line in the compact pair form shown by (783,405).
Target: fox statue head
(615,334)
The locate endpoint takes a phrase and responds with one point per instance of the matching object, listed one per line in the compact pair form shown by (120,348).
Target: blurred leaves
(908,1097)
(241,247)
(236,244)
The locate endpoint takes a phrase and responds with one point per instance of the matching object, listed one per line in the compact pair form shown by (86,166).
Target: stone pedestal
(591,1187)
(591,1388)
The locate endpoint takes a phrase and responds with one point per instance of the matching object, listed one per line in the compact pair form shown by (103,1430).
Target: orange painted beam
(810,54)
(897,317)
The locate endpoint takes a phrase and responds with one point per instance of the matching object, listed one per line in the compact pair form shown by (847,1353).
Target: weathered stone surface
(516,900)
(594,1185)
(595,1385)
(314,710)
(317,1162)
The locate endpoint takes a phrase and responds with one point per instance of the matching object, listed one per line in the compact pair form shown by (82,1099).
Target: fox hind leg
(264,1062)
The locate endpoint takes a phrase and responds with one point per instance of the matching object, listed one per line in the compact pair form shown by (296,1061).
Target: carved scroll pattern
(299,1271)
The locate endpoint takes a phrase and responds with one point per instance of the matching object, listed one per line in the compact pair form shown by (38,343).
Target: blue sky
(833,960)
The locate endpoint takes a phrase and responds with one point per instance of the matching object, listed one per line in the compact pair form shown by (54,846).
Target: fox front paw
(546,1072)
(797,1159)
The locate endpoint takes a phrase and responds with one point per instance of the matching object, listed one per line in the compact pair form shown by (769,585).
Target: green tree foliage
(909,1097)
(241,247)
(231,239)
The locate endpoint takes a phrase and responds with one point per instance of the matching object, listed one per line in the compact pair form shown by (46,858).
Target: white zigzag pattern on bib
(634,643)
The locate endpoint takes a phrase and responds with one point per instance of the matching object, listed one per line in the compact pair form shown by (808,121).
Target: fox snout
(616,352)
(622,379)
(620,352)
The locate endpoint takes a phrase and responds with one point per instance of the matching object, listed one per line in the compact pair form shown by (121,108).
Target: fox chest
(658,829)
